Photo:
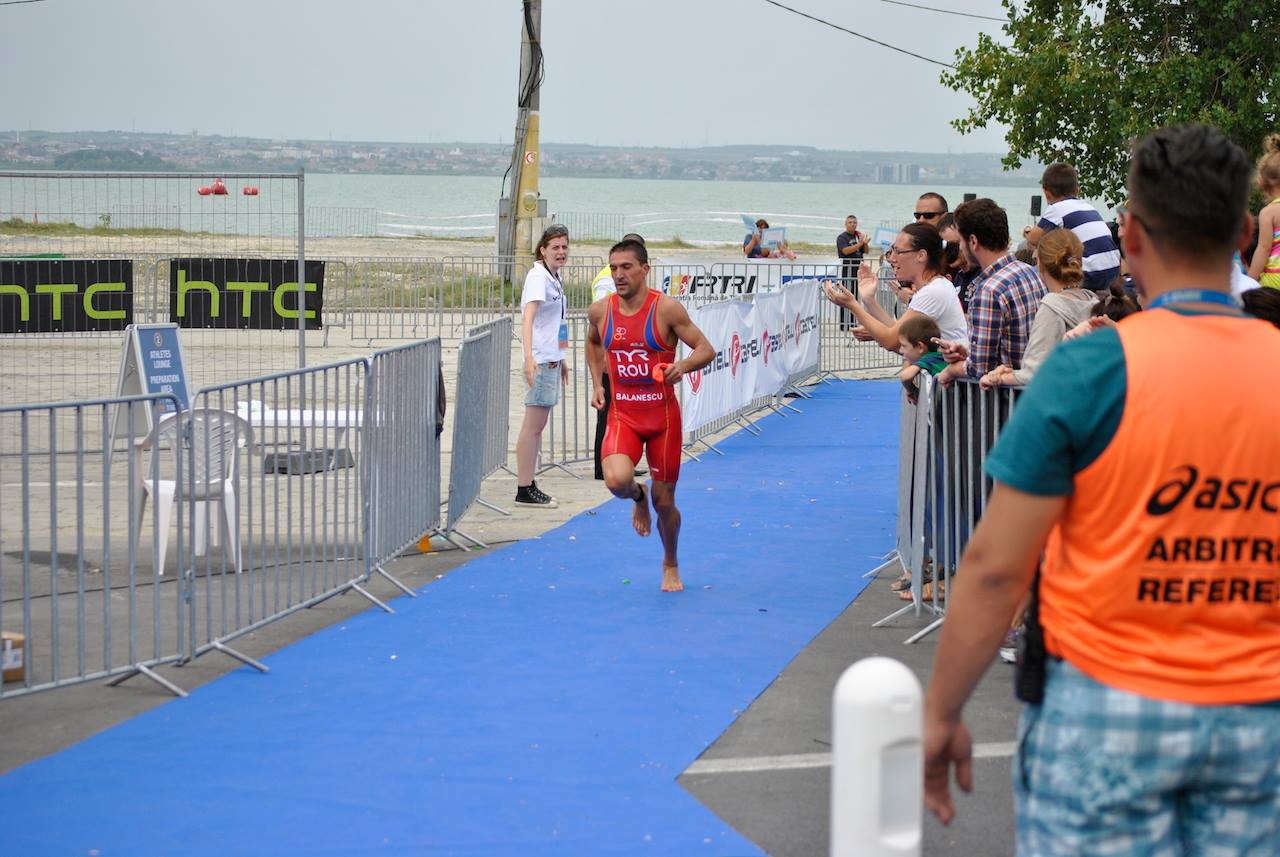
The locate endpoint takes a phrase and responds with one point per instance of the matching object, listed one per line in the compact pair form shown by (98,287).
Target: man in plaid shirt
(1006,294)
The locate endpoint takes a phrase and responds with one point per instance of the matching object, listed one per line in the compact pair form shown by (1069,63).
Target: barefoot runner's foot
(671,579)
(640,518)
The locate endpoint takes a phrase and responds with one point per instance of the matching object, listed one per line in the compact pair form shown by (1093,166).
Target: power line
(859,35)
(18,2)
(945,11)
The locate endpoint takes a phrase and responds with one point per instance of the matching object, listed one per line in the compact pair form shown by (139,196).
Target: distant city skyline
(130,151)
(673,74)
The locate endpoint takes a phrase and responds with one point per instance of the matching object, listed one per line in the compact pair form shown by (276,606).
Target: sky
(652,73)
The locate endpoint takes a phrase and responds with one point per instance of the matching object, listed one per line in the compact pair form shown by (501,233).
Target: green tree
(1077,80)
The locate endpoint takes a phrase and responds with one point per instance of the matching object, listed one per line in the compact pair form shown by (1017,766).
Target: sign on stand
(151,363)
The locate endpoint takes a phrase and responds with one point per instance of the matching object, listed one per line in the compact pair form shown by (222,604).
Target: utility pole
(523,208)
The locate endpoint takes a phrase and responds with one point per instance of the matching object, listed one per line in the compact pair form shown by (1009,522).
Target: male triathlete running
(635,331)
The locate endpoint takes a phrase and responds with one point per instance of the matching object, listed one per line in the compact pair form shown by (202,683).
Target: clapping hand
(837,293)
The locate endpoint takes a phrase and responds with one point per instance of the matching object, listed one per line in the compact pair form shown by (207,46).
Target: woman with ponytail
(1066,304)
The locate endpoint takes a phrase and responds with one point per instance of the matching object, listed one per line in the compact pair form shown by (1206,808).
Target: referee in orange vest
(1137,493)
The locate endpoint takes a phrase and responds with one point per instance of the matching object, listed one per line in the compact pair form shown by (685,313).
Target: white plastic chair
(209,442)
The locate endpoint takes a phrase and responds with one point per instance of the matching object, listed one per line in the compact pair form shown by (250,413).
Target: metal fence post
(302,270)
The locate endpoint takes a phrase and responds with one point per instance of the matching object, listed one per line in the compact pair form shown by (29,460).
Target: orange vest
(1163,576)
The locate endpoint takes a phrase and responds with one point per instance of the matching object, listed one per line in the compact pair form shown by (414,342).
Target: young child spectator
(1067,304)
(1061,186)
(1263,304)
(1114,304)
(916,337)
(919,353)
(1265,267)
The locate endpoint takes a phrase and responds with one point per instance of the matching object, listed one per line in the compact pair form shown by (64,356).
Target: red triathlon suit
(644,414)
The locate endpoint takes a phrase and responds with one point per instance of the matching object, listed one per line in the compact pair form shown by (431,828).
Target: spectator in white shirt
(544,339)
(916,257)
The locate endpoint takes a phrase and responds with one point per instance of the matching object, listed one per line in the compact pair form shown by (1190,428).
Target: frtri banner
(758,345)
(65,295)
(737,279)
(249,294)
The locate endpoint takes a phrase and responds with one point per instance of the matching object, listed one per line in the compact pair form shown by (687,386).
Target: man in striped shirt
(1061,186)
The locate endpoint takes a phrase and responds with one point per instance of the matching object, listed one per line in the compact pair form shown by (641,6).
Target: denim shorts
(1105,771)
(545,391)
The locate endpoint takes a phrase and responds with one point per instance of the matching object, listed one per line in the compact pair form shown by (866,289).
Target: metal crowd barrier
(76,583)
(403,448)
(944,440)
(283,454)
(570,433)
(470,430)
(390,298)
(286,490)
(498,389)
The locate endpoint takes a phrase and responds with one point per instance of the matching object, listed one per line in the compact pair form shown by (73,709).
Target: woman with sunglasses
(544,339)
(916,257)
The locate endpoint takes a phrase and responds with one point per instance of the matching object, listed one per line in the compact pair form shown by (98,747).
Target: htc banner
(250,294)
(65,295)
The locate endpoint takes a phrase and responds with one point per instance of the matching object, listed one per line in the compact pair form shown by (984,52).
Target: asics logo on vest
(1214,492)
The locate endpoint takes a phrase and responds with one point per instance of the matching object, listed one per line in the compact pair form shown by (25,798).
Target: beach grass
(18,226)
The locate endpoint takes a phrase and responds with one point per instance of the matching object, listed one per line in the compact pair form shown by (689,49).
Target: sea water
(699,212)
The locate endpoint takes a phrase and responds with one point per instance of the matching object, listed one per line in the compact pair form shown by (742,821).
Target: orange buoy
(218,188)
(205,191)
(249,190)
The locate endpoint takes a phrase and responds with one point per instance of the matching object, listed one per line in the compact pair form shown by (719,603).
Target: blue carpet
(532,702)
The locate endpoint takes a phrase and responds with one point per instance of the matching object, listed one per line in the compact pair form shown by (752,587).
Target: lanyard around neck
(1195,296)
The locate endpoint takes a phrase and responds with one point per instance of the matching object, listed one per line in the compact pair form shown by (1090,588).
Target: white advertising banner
(771,325)
(758,347)
(728,382)
(802,299)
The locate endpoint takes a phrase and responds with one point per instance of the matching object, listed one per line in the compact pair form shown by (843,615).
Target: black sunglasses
(927,214)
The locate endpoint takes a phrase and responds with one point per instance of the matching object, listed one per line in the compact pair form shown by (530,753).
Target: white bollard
(877,761)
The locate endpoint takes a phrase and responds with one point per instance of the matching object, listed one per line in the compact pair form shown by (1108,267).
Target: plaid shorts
(1101,771)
